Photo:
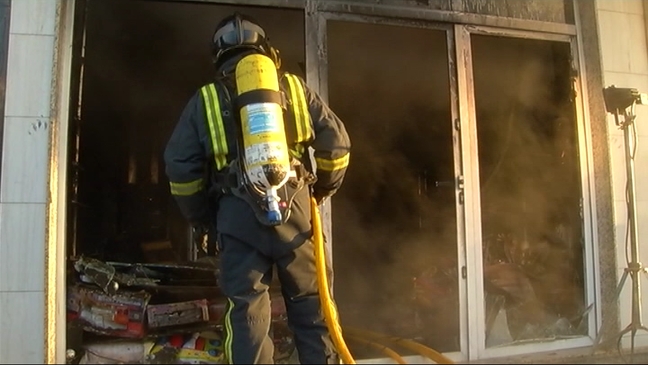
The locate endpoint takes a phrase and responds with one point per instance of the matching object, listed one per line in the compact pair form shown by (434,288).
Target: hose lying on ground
(328,306)
(403,342)
(380,347)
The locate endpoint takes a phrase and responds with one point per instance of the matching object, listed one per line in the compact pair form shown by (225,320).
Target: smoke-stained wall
(556,11)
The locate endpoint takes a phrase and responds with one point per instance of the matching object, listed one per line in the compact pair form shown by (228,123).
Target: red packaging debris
(121,314)
(129,314)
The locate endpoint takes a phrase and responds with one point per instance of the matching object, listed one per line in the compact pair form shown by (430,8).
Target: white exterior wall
(23,195)
(624,57)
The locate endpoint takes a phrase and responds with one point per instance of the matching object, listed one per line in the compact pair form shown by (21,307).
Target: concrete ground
(640,356)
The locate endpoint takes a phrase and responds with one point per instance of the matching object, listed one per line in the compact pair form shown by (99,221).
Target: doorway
(143,61)
(394,219)
(530,183)
(129,248)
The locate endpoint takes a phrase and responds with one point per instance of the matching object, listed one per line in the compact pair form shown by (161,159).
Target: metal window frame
(474,327)
(318,52)
(473,343)
(457,110)
(477,349)
(591,252)
(55,249)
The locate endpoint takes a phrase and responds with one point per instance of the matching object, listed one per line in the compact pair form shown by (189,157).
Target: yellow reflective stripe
(332,165)
(227,344)
(299,116)
(300,109)
(215,125)
(185,189)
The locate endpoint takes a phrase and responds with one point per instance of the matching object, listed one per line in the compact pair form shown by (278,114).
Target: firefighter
(205,167)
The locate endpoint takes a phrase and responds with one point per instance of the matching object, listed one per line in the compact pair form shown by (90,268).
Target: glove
(200,234)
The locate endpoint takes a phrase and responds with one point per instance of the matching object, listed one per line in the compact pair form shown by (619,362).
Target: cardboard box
(176,314)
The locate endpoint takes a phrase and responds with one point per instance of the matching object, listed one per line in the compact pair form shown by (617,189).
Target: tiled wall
(624,53)
(23,193)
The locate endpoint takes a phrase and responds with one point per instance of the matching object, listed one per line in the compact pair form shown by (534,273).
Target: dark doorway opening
(143,61)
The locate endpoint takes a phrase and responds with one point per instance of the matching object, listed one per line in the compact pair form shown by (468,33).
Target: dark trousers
(245,277)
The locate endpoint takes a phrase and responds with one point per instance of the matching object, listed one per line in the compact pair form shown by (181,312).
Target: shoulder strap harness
(299,131)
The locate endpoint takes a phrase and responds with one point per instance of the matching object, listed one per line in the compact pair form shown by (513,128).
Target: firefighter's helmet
(239,33)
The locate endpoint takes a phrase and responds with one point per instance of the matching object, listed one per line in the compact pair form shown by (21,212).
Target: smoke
(527,134)
(529,170)
(391,223)
(394,220)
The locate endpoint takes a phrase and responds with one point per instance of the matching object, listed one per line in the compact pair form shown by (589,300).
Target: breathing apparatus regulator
(264,158)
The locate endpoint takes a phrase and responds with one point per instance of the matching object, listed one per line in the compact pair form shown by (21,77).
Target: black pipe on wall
(5,15)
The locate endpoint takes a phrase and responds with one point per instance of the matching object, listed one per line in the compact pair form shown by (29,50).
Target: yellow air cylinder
(266,160)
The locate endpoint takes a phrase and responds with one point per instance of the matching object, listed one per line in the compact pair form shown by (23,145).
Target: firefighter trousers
(245,277)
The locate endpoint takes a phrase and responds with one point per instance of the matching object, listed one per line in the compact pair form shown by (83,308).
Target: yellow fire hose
(405,343)
(328,306)
(380,347)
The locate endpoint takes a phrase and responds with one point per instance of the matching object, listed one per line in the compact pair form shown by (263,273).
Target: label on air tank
(264,153)
(263,118)
(265,143)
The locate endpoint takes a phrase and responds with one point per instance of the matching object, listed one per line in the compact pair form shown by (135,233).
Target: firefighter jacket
(205,140)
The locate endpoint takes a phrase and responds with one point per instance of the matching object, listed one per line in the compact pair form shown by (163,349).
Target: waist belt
(232,181)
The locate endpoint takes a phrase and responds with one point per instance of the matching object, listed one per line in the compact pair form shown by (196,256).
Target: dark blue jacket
(189,158)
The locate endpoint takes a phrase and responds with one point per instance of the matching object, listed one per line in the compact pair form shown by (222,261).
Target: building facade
(588,45)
